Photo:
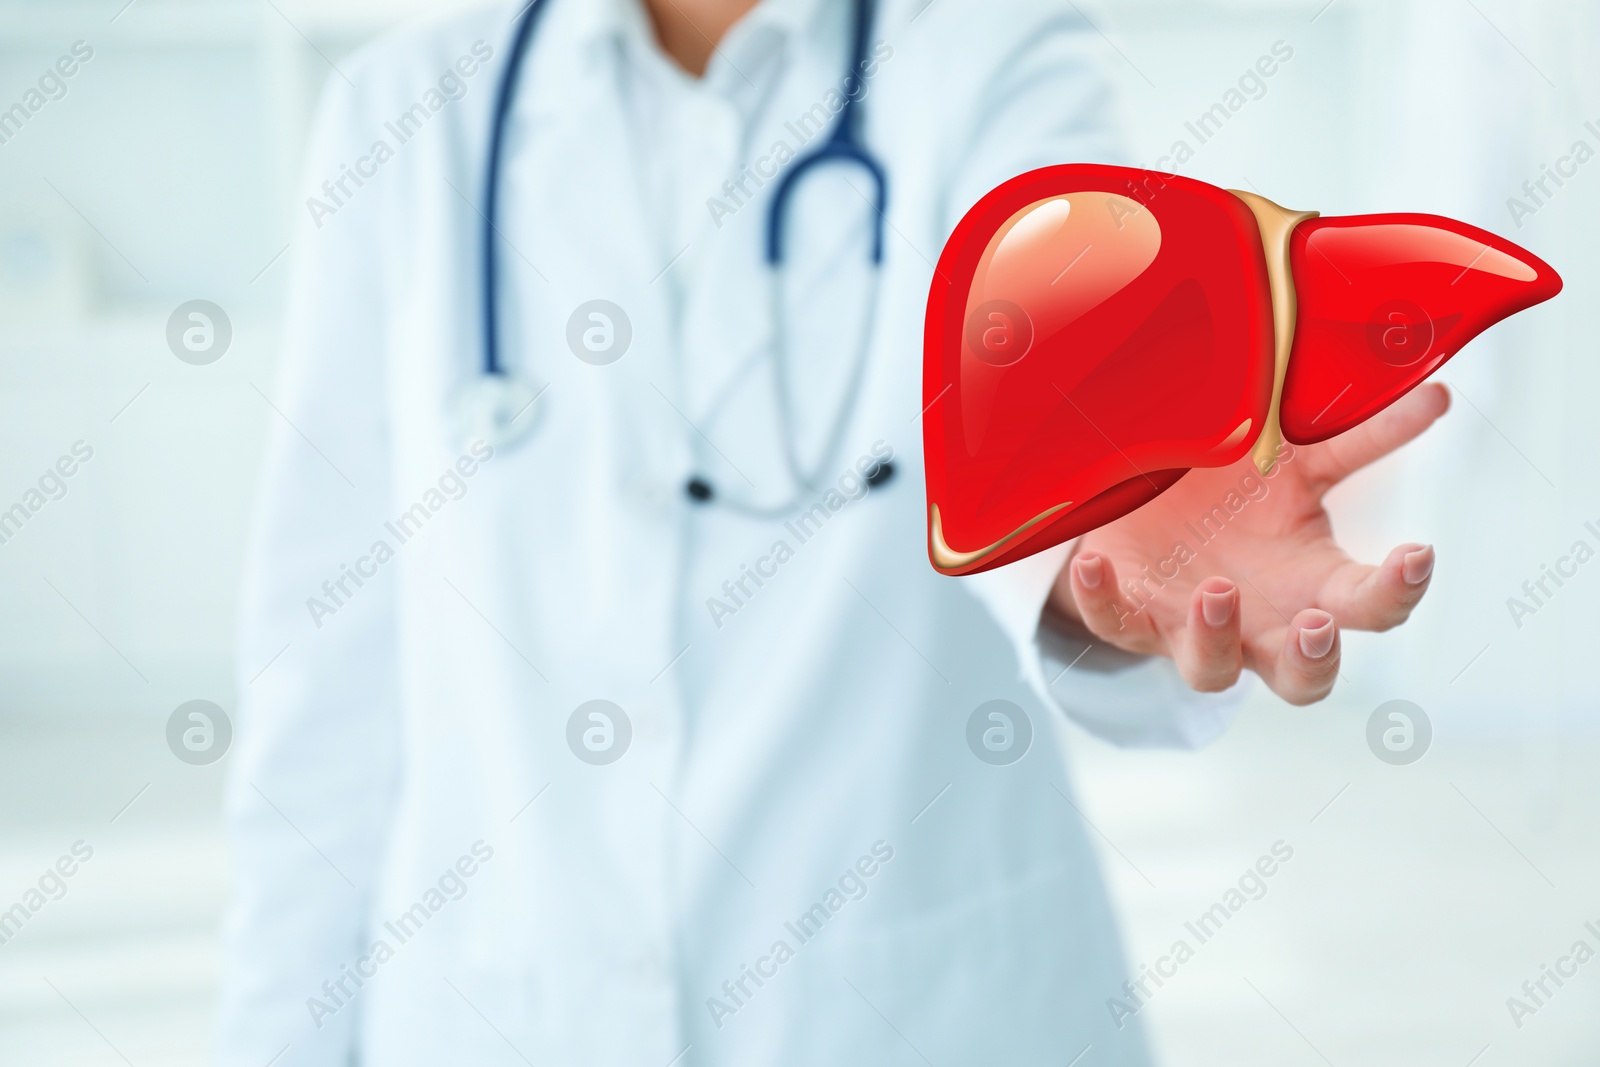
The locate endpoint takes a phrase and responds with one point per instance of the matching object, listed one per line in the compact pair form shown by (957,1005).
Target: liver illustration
(1095,332)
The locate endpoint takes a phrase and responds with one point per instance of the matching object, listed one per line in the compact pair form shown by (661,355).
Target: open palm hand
(1230,570)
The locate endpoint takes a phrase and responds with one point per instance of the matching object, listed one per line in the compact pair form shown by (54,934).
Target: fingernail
(1217,608)
(1316,641)
(1417,565)
(1090,571)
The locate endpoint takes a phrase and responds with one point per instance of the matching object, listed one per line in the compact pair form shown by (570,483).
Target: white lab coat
(403,777)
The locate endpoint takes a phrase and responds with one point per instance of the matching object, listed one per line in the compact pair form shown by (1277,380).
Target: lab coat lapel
(583,215)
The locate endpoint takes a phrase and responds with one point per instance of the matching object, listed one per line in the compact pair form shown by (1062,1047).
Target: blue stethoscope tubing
(504,94)
(843,146)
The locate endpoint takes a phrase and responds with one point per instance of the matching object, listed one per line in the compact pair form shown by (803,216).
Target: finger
(1308,663)
(1337,458)
(1363,597)
(1211,656)
(1106,613)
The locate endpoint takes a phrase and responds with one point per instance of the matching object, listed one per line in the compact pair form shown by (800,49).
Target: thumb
(1331,461)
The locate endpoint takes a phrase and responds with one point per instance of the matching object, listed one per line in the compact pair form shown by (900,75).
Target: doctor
(644,733)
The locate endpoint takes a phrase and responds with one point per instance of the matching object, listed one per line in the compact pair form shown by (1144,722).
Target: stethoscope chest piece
(501,409)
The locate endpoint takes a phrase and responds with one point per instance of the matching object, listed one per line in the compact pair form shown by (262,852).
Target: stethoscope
(503,407)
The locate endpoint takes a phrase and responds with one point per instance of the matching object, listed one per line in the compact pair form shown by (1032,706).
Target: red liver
(1384,300)
(1094,332)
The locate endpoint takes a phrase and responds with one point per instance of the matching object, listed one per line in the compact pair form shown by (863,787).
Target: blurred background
(1421,896)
